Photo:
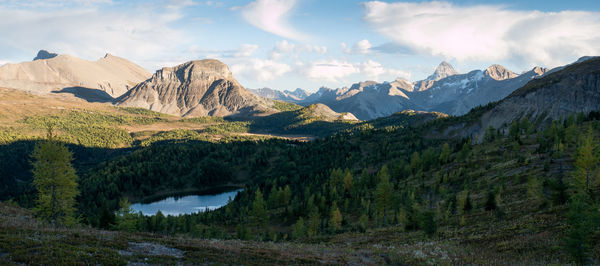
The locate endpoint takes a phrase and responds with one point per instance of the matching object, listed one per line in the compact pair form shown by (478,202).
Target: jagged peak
(443,70)
(499,72)
(43,54)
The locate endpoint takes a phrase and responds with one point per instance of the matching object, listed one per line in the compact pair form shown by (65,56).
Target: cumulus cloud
(142,37)
(329,70)
(373,70)
(487,32)
(259,69)
(361,47)
(334,70)
(272,16)
(285,47)
(246,50)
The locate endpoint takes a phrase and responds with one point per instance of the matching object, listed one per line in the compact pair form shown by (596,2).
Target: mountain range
(444,91)
(102,80)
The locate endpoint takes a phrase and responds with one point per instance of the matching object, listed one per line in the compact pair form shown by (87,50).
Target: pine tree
(383,193)
(445,153)
(335,221)
(582,219)
(299,229)
(313,223)
(259,211)
(586,161)
(125,218)
(55,181)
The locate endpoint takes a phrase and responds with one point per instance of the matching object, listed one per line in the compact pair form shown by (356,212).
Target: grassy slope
(23,240)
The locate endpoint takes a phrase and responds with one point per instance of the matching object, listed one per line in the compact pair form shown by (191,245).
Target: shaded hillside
(196,88)
(572,89)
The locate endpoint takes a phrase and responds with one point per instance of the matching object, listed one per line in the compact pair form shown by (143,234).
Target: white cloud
(361,47)
(143,37)
(285,47)
(260,70)
(329,70)
(246,50)
(373,70)
(487,32)
(180,3)
(335,71)
(272,16)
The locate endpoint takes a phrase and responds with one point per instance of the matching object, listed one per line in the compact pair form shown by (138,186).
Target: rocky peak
(198,70)
(43,54)
(499,72)
(539,70)
(443,70)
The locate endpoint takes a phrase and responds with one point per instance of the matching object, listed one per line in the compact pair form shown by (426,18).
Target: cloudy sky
(286,44)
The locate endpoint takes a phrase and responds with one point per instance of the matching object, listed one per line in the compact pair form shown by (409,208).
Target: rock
(196,88)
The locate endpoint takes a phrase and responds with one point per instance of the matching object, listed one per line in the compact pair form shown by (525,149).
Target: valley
(512,181)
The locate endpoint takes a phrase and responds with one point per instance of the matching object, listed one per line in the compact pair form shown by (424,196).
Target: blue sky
(286,44)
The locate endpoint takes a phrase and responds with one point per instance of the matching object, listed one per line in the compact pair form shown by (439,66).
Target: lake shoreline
(187,192)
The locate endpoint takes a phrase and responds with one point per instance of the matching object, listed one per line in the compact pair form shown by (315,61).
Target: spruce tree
(55,181)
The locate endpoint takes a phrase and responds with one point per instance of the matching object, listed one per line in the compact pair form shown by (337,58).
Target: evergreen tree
(313,223)
(259,211)
(55,181)
(299,229)
(586,161)
(582,219)
(335,221)
(125,220)
(383,193)
(445,154)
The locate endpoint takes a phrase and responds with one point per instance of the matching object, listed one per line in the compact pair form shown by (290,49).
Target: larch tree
(259,211)
(586,161)
(383,193)
(55,181)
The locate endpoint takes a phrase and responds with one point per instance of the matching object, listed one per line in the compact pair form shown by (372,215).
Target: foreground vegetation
(375,192)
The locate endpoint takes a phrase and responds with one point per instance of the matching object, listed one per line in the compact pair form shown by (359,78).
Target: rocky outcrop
(196,88)
(499,72)
(112,76)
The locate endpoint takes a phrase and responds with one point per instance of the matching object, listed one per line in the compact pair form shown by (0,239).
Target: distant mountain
(570,89)
(444,91)
(101,80)
(43,54)
(196,88)
(288,96)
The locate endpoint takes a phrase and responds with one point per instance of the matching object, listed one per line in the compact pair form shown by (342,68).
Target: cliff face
(196,88)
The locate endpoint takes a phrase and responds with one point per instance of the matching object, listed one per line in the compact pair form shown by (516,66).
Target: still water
(186,204)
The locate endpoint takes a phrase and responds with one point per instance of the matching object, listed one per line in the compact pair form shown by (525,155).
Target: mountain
(570,89)
(444,91)
(443,70)
(196,88)
(43,54)
(288,96)
(101,80)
